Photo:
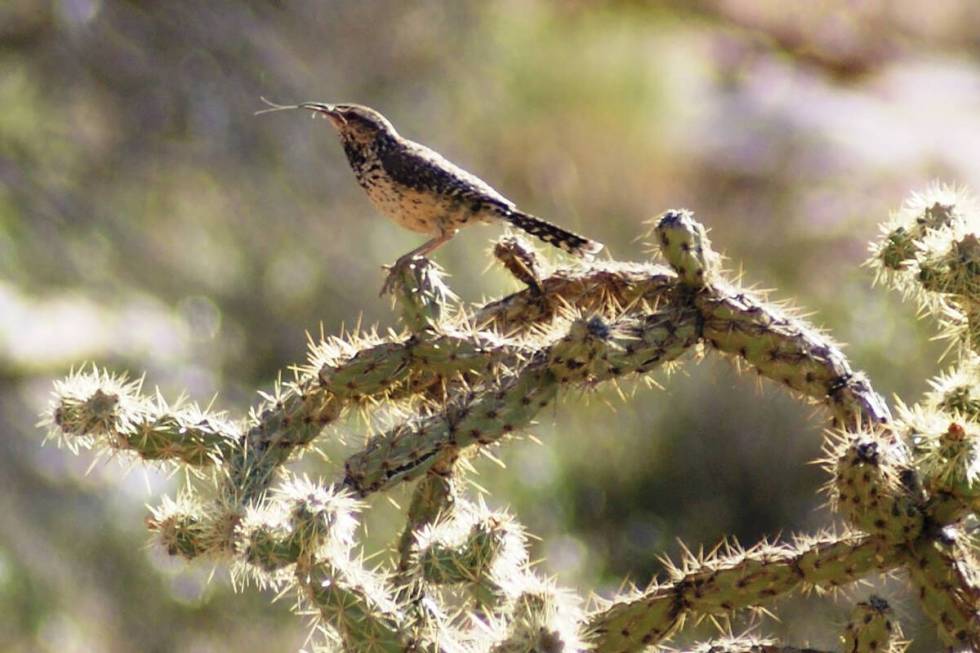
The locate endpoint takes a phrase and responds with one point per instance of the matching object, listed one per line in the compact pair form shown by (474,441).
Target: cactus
(872,488)
(944,571)
(873,629)
(460,379)
(732,579)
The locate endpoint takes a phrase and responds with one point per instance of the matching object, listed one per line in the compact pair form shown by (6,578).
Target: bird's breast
(420,210)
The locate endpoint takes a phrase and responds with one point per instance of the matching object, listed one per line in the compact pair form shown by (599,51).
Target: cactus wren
(420,190)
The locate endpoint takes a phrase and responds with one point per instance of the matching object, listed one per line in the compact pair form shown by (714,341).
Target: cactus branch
(421,294)
(721,584)
(434,496)
(684,243)
(355,605)
(944,571)
(589,350)
(97,409)
(602,288)
(874,487)
(872,629)
(789,352)
(749,645)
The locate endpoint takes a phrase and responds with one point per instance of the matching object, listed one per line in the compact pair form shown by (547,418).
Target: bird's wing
(423,169)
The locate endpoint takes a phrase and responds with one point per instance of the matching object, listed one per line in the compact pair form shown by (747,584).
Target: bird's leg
(423,249)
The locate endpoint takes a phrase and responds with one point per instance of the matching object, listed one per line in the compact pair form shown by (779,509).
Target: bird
(422,191)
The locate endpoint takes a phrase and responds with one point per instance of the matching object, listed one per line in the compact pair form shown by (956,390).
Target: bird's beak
(329,110)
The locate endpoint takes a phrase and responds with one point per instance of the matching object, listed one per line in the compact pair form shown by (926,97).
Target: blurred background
(149,222)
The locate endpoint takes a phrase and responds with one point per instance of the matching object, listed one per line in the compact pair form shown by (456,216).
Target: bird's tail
(554,235)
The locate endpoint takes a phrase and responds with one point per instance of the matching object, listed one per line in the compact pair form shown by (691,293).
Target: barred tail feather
(554,235)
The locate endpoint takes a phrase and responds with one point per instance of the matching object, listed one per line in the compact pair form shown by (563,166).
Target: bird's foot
(396,272)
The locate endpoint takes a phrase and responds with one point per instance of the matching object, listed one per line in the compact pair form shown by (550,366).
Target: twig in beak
(275,107)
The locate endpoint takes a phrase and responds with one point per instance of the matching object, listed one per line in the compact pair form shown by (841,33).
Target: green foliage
(459,380)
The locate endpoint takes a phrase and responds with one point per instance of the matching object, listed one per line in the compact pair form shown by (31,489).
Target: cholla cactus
(873,629)
(460,379)
(929,250)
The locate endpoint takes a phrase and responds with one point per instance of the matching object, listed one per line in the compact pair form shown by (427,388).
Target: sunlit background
(149,222)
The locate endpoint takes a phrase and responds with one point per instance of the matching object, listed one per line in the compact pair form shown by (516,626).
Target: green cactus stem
(182,529)
(957,392)
(871,487)
(931,251)
(421,294)
(339,379)
(684,243)
(355,605)
(483,416)
(944,572)
(368,373)
(411,449)
(951,270)
(789,352)
(484,551)
(922,215)
(270,548)
(434,496)
(872,629)
(777,345)
(542,619)
(948,457)
(954,270)
(722,584)
(288,420)
(311,528)
(305,517)
(97,409)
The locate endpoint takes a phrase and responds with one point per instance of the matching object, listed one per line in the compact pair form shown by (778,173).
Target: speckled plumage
(422,191)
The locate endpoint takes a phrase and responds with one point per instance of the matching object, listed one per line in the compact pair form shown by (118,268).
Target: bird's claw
(395,270)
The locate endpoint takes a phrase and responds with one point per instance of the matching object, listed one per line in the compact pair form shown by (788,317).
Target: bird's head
(353,122)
